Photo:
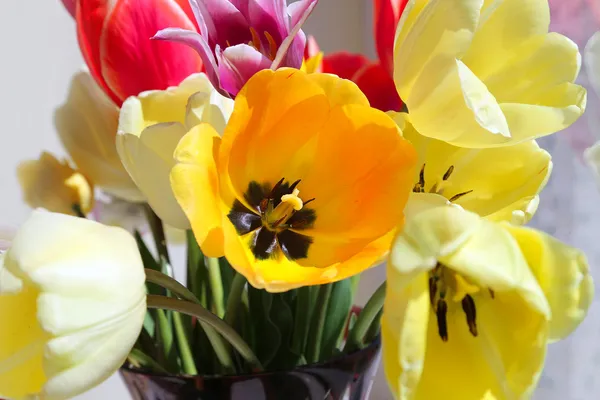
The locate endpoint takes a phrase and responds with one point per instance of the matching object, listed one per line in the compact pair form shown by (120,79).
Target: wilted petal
(239,63)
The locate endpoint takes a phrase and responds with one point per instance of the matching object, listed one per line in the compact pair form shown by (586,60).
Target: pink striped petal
(237,64)
(224,22)
(131,62)
(269,16)
(196,42)
(300,13)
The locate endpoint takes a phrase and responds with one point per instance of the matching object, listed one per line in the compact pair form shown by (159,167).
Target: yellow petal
(195,183)
(148,157)
(563,274)
(55,186)
(87,125)
(404,333)
(339,91)
(211,108)
(592,61)
(430,30)
(83,295)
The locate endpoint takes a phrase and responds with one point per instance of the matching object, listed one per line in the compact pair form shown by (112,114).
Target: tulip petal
(90,17)
(442,29)
(239,63)
(70,5)
(211,109)
(527,20)
(195,183)
(387,14)
(87,125)
(196,42)
(344,64)
(592,61)
(152,151)
(291,49)
(137,64)
(563,274)
(298,9)
(222,17)
(379,87)
(269,16)
(339,91)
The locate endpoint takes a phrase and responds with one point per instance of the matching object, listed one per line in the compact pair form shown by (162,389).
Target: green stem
(203,315)
(301,320)
(216,285)
(235,298)
(140,359)
(187,359)
(158,232)
(365,319)
(318,323)
(219,346)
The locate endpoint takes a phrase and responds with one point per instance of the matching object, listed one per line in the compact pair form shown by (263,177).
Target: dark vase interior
(347,377)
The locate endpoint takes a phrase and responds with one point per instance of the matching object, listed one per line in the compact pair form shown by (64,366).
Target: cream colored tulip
(471,306)
(55,186)
(72,304)
(87,127)
(478,73)
(150,127)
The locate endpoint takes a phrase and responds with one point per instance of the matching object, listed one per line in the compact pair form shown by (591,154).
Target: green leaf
(227,273)
(338,311)
(266,332)
(150,263)
(196,271)
(302,317)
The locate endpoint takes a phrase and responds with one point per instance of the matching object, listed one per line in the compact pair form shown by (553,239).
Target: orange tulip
(114,37)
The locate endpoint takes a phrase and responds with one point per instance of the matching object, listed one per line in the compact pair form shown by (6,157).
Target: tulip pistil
(446,285)
(437,187)
(270,218)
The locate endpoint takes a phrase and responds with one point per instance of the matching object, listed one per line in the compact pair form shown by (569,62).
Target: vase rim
(373,346)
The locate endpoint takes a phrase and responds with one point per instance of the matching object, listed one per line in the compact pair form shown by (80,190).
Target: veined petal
(563,274)
(237,64)
(290,52)
(195,183)
(149,159)
(224,22)
(138,64)
(432,29)
(592,61)
(527,19)
(269,16)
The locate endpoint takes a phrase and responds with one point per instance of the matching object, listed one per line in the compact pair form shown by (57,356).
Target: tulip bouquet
(291,172)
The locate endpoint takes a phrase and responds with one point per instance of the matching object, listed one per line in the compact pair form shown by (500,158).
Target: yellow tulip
(478,73)
(307,185)
(471,306)
(151,125)
(72,304)
(87,126)
(498,183)
(55,186)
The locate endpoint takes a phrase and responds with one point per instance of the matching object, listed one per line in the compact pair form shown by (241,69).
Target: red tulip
(114,37)
(374,78)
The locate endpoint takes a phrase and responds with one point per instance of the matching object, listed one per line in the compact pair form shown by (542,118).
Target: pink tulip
(238,38)
(114,37)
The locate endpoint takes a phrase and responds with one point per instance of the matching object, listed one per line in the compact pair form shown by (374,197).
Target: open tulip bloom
(290,172)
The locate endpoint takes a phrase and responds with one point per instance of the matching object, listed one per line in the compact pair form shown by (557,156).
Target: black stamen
(432,289)
(492,294)
(294,186)
(440,313)
(448,173)
(275,188)
(458,196)
(308,201)
(434,188)
(468,306)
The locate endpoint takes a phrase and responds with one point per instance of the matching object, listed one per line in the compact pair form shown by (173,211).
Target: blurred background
(40,54)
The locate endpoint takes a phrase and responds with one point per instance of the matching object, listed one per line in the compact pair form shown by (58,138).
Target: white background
(39,53)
